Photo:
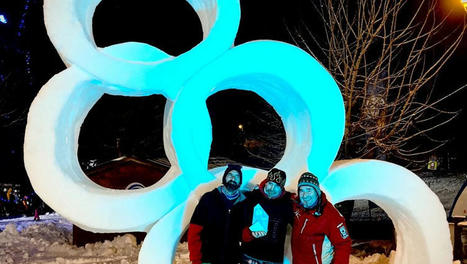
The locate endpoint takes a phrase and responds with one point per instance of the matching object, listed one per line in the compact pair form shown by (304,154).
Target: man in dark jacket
(266,246)
(213,236)
(317,221)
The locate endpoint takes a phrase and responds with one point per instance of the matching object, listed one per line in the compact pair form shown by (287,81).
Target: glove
(258,234)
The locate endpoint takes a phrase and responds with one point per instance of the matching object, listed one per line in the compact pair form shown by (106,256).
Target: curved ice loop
(416,212)
(50,155)
(69,25)
(161,241)
(301,91)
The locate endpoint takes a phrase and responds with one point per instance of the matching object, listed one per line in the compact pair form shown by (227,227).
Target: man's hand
(258,234)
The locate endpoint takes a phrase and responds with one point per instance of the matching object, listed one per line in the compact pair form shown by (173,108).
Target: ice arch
(285,82)
(300,90)
(69,25)
(416,212)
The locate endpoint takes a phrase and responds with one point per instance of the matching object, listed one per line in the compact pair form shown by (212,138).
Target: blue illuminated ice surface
(260,220)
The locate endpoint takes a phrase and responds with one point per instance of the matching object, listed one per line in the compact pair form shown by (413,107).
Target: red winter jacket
(309,231)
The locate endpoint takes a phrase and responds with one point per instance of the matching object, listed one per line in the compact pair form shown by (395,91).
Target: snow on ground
(48,241)
(23,222)
(446,187)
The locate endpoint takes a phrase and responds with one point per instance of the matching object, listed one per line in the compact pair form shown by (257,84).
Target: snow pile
(33,241)
(48,241)
(182,255)
(23,222)
(373,259)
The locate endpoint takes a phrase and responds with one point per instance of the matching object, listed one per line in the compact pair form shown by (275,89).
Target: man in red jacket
(316,221)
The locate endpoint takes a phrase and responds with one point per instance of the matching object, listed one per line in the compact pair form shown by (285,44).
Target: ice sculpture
(301,91)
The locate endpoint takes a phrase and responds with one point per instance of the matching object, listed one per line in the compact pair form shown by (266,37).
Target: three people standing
(223,228)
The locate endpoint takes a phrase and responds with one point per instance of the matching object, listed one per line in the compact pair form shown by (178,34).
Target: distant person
(24,202)
(271,200)
(36,204)
(9,194)
(36,214)
(317,222)
(213,236)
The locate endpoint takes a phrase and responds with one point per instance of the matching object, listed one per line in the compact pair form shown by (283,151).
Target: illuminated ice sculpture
(301,91)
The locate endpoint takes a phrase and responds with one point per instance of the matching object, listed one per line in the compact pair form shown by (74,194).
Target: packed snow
(23,240)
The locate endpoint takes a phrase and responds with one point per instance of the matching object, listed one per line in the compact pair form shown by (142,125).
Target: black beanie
(277,176)
(231,167)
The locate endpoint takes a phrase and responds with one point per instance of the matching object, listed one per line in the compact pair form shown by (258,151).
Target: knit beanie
(277,176)
(231,167)
(309,179)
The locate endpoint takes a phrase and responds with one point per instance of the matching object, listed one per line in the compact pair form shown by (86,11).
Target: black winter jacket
(280,211)
(220,234)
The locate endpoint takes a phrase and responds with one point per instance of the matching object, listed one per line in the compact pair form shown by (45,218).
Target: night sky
(28,60)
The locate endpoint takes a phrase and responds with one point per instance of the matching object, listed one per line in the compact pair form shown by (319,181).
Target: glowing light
(3,19)
(240,126)
(313,117)
(464,3)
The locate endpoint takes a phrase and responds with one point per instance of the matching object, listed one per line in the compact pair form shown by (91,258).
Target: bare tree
(13,108)
(385,57)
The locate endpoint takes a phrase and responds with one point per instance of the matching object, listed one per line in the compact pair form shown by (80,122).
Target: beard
(232,185)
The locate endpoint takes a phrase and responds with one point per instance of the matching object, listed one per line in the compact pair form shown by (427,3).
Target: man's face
(308,196)
(272,189)
(232,180)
